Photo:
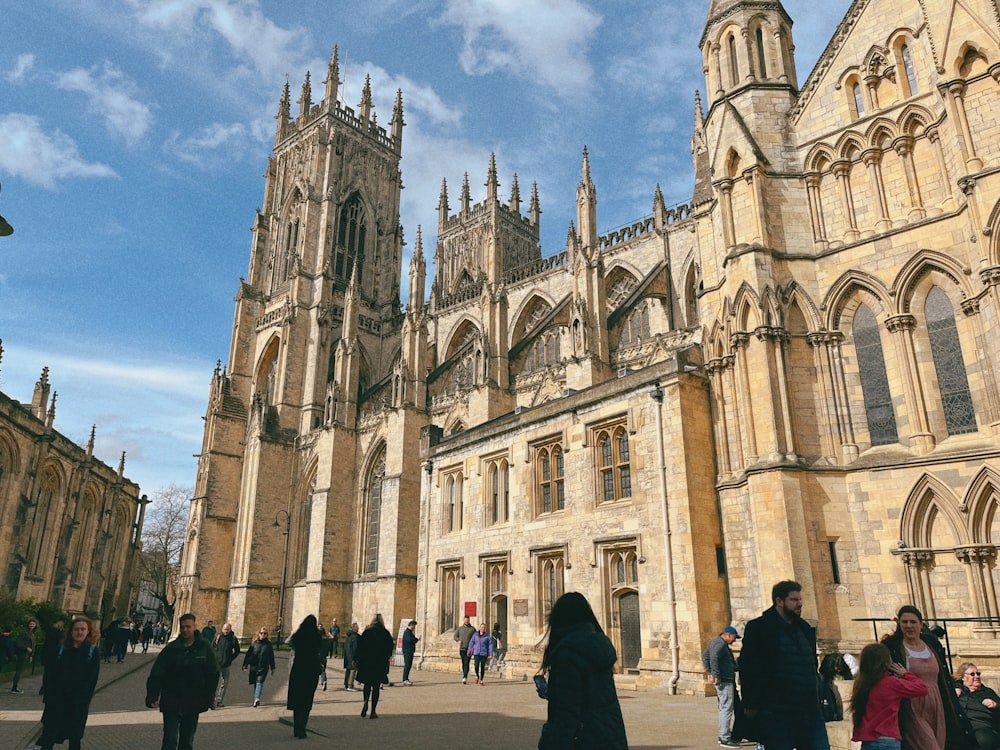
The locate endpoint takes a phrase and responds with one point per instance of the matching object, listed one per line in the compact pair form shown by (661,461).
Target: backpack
(830,704)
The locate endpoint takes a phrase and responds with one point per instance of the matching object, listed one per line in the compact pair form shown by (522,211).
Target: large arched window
(498,492)
(373,513)
(41,533)
(349,244)
(956,400)
(300,562)
(874,382)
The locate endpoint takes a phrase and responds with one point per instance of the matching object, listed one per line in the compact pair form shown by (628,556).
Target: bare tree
(162,540)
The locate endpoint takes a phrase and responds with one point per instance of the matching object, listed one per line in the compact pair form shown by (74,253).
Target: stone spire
(492,185)
(586,205)
(50,418)
(351,304)
(90,442)
(442,206)
(397,122)
(332,81)
(365,105)
(418,273)
(40,398)
(466,201)
(534,212)
(699,153)
(121,467)
(515,195)
(305,99)
(284,115)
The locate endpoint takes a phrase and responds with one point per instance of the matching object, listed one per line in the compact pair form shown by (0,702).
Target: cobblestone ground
(436,712)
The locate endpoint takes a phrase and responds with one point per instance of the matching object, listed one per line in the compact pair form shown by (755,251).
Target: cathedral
(789,375)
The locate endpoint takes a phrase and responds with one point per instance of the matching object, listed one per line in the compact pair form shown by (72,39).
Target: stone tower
(316,327)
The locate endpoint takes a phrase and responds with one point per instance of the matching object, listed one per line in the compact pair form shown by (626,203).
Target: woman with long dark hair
(930,722)
(578,662)
(306,643)
(68,685)
(375,649)
(875,699)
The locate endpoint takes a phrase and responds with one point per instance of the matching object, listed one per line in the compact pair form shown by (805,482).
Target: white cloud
(545,42)
(112,96)
(42,158)
(209,145)
(249,34)
(22,65)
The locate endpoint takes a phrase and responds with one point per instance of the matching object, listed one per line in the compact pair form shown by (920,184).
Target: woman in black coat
(259,662)
(579,663)
(306,643)
(68,686)
(375,649)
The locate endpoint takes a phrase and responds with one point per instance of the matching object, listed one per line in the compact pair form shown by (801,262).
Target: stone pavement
(436,712)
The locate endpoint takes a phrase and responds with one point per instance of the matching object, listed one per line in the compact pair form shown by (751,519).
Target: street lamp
(284,569)
(5,229)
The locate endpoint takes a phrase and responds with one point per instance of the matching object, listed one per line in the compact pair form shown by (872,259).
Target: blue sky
(134,135)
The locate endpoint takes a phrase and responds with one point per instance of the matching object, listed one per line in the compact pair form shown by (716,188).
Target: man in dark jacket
(779,676)
(351,656)
(409,649)
(182,684)
(720,666)
(226,648)
(463,635)
(334,637)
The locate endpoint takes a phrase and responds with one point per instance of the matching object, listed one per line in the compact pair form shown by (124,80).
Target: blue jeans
(258,688)
(784,731)
(179,724)
(882,743)
(725,692)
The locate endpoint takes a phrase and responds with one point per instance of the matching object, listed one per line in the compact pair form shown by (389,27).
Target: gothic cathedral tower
(295,508)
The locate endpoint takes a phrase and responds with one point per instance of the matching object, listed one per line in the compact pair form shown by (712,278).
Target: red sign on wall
(470,609)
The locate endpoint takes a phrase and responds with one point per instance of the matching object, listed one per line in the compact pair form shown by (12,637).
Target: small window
(734,67)
(614,470)
(761,61)
(549,472)
(859,100)
(911,76)
(834,564)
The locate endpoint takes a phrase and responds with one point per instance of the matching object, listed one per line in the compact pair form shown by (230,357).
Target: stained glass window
(959,414)
(874,383)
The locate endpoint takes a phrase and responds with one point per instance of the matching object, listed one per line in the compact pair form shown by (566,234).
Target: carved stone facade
(69,524)
(793,375)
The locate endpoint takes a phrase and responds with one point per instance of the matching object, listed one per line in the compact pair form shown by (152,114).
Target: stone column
(872,159)
(716,368)
(901,327)
(842,171)
(918,564)
(813,182)
(740,342)
(725,188)
(955,99)
(934,136)
(904,147)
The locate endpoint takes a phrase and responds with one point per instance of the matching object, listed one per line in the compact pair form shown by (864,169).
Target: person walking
(259,662)
(68,685)
(410,641)
(931,721)
(375,648)
(324,652)
(578,661)
(182,684)
(24,651)
(226,648)
(463,636)
(147,637)
(305,643)
(351,642)
(499,649)
(880,687)
(334,638)
(208,632)
(720,667)
(481,647)
(779,675)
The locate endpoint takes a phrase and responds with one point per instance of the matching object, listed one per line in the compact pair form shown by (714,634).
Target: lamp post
(5,229)
(284,570)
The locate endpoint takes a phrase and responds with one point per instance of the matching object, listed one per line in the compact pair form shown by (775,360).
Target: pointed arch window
(349,244)
(734,67)
(449,577)
(613,463)
(874,382)
(304,522)
(637,325)
(453,509)
(373,513)
(859,100)
(761,61)
(549,467)
(946,350)
(911,75)
(498,492)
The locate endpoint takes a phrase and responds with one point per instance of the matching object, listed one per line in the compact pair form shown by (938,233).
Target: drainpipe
(429,469)
(675,650)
